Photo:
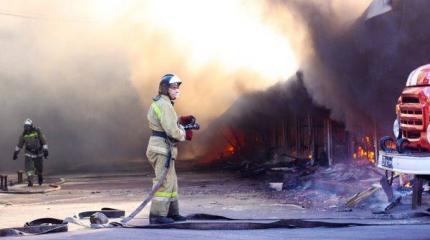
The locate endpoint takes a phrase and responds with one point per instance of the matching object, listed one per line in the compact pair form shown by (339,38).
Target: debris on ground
(342,186)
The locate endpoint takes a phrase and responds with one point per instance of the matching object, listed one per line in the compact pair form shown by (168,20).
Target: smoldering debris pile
(325,188)
(350,172)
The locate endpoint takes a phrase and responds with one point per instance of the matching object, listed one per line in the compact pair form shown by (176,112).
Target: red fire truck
(409,151)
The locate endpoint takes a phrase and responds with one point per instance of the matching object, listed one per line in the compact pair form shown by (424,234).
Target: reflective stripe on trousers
(30,155)
(165,196)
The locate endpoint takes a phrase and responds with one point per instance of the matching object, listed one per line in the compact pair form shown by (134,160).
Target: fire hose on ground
(52,187)
(194,222)
(99,219)
(200,221)
(154,188)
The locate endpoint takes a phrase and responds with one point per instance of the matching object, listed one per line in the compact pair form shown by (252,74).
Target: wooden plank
(357,198)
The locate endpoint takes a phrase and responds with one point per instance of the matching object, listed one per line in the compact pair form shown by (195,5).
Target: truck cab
(412,126)
(409,151)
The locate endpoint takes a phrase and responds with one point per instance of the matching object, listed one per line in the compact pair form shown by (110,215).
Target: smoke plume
(85,73)
(353,66)
(359,70)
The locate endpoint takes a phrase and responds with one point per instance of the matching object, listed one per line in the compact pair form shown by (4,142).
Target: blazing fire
(229,150)
(364,149)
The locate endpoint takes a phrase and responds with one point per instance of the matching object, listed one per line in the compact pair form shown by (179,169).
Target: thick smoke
(72,78)
(87,80)
(86,73)
(359,71)
(80,96)
(355,67)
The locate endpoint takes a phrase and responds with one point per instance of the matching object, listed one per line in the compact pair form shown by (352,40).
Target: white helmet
(165,82)
(171,78)
(28,122)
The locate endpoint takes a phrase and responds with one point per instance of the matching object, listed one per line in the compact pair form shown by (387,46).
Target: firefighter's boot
(179,218)
(174,212)
(40,179)
(153,219)
(30,181)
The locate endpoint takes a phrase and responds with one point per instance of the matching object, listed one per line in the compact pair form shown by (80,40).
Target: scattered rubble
(342,186)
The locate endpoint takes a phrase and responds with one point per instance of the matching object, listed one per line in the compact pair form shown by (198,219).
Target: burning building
(345,101)
(352,76)
(284,124)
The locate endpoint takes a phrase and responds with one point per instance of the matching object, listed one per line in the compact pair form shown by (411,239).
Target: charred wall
(282,122)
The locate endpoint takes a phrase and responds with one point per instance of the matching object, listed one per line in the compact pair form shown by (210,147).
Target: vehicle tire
(402,145)
(384,144)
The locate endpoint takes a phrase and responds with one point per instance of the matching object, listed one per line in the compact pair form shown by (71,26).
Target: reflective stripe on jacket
(33,141)
(162,117)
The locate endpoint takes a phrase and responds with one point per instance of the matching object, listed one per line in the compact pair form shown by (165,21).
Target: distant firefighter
(36,148)
(167,130)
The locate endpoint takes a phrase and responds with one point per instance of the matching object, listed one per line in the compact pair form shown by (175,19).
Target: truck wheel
(387,144)
(402,144)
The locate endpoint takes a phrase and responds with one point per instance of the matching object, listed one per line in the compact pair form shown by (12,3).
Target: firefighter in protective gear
(166,132)
(36,148)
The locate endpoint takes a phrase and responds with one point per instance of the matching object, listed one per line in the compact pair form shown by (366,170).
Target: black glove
(15,155)
(189,122)
(45,153)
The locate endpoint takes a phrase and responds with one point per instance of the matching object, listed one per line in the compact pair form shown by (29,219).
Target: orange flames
(229,150)
(364,149)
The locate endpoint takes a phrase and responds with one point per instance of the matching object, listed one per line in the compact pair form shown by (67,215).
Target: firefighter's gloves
(189,122)
(15,155)
(45,153)
(188,134)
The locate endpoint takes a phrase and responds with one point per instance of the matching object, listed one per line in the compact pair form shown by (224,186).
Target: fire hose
(154,188)
(202,222)
(53,225)
(191,125)
(195,221)
(52,187)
